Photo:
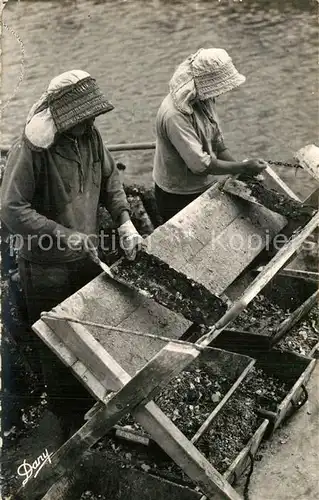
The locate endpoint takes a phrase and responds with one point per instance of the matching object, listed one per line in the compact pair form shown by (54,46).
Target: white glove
(130,239)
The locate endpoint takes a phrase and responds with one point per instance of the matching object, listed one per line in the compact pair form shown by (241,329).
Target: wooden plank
(205,426)
(294,394)
(109,303)
(80,341)
(218,264)
(135,393)
(240,463)
(293,318)
(179,239)
(214,238)
(273,181)
(67,357)
(272,268)
(308,158)
(183,452)
(295,273)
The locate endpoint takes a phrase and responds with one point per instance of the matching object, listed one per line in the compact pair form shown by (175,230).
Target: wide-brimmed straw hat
(214,73)
(71,98)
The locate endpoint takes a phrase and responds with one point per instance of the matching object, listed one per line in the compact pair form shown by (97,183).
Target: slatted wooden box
(295,296)
(293,369)
(104,475)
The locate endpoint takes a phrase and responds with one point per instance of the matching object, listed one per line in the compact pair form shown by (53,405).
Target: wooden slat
(308,157)
(239,465)
(272,268)
(273,181)
(112,304)
(214,238)
(179,240)
(218,264)
(134,393)
(67,357)
(293,318)
(205,426)
(82,343)
(294,394)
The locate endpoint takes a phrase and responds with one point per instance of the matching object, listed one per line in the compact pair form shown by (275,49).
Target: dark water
(132,48)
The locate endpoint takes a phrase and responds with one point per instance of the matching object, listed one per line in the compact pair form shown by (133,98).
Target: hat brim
(208,88)
(78,103)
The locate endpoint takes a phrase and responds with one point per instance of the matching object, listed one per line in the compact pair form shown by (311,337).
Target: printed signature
(28,470)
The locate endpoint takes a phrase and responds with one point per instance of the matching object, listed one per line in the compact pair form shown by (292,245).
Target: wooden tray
(294,294)
(294,369)
(101,476)
(235,367)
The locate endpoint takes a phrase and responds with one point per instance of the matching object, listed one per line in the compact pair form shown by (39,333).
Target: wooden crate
(102,475)
(218,363)
(289,367)
(293,369)
(294,294)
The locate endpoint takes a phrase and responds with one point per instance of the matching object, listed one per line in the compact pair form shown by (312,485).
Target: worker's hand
(253,167)
(130,240)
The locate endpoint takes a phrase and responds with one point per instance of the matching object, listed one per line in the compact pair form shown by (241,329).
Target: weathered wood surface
(105,301)
(294,394)
(135,393)
(67,357)
(269,271)
(214,238)
(90,352)
(162,430)
(308,158)
(294,317)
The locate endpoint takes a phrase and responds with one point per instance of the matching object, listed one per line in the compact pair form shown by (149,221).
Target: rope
(124,330)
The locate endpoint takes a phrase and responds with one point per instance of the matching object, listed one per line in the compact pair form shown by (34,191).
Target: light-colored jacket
(185,146)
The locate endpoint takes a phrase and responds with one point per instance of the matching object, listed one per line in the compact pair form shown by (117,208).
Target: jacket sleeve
(184,138)
(112,195)
(17,191)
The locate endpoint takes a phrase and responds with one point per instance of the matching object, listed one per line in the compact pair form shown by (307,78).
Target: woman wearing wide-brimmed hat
(55,177)
(190,150)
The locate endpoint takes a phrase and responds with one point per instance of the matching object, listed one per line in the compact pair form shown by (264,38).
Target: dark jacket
(58,189)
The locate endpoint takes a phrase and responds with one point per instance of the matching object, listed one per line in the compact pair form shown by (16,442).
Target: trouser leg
(45,287)
(169,204)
